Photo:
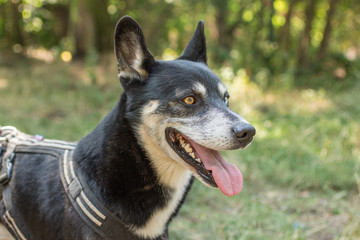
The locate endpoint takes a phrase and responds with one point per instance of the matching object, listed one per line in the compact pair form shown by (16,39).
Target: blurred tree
(260,23)
(271,37)
(83,27)
(266,36)
(224,37)
(285,32)
(305,37)
(224,27)
(13,27)
(327,30)
(92,28)
(61,14)
(103,25)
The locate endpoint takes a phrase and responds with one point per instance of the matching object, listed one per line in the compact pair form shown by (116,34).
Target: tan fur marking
(222,88)
(170,172)
(200,88)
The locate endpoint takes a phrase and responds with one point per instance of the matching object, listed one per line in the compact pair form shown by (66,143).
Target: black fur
(118,170)
(196,49)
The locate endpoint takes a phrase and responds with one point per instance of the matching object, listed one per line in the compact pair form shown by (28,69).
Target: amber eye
(189,100)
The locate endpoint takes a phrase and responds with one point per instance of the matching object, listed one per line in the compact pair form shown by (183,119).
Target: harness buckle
(2,150)
(6,169)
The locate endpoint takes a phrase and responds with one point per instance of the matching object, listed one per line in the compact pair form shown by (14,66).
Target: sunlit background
(292,68)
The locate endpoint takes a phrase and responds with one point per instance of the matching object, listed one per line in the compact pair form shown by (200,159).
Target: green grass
(301,174)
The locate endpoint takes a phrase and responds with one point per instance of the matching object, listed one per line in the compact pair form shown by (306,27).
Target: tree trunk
(102,25)
(153,31)
(225,30)
(327,30)
(61,14)
(2,23)
(83,28)
(221,23)
(285,32)
(257,36)
(305,38)
(92,27)
(271,26)
(13,28)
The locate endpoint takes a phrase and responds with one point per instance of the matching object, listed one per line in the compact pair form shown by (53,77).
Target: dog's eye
(226,100)
(189,100)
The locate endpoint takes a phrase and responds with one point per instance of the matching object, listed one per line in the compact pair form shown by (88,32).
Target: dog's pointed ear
(133,58)
(196,49)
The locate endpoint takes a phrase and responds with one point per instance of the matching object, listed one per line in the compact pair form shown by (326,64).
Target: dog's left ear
(196,49)
(133,58)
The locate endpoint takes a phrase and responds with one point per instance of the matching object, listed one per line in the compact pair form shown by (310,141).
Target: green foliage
(50,95)
(260,36)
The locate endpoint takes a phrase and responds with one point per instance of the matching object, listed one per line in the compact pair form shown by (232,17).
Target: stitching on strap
(87,213)
(11,223)
(92,207)
(66,170)
(87,207)
(11,134)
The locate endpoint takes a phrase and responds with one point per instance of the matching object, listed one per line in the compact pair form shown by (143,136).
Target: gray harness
(88,207)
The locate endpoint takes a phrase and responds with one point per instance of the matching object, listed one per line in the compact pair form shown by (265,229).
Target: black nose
(244,133)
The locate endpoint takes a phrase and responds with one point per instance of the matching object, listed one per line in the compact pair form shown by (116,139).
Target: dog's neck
(119,172)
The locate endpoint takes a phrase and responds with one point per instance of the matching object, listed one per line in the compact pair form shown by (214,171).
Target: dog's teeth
(198,160)
(192,155)
(188,148)
(181,140)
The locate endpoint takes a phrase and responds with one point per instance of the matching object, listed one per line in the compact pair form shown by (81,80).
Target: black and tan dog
(128,178)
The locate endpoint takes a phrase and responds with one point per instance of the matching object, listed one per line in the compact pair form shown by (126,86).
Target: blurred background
(292,68)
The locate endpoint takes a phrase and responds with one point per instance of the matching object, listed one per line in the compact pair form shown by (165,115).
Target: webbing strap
(89,208)
(10,215)
(11,138)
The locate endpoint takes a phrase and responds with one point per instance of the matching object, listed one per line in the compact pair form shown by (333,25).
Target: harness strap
(92,211)
(7,153)
(10,215)
(89,208)
(6,169)
(11,140)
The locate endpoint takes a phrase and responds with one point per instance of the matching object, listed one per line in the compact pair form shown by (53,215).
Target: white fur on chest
(158,220)
(170,173)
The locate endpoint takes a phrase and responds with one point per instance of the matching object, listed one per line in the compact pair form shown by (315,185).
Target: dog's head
(180,111)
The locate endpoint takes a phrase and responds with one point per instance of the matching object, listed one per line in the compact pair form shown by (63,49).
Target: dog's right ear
(133,58)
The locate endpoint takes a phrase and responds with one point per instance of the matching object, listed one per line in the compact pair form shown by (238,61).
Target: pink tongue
(227,176)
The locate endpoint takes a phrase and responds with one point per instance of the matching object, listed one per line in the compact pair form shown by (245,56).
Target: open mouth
(187,152)
(207,163)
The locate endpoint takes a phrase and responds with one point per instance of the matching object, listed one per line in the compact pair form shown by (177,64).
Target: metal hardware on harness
(7,154)
(6,169)
(11,129)
(2,150)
